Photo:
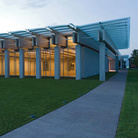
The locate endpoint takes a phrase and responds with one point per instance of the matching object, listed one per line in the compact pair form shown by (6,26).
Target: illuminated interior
(30,63)
(111,65)
(67,57)
(14,62)
(47,62)
(2,63)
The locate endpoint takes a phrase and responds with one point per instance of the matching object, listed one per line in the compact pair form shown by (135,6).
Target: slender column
(7,65)
(121,64)
(116,64)
(108,65)
(102,62)
(21,60)
(78,62)
(38,63)
(57,62)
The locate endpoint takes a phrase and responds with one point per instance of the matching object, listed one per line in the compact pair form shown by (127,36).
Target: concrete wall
(90,62)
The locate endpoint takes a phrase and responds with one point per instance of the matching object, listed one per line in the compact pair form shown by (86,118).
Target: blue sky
(25,14)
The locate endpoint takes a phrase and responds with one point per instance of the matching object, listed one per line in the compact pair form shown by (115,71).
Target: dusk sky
(19,15)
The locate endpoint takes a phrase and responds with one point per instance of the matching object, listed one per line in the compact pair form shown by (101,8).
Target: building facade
(64,50)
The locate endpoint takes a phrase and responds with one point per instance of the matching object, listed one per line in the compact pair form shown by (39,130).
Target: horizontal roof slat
(119,28)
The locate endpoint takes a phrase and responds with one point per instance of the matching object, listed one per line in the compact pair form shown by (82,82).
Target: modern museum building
(64,50)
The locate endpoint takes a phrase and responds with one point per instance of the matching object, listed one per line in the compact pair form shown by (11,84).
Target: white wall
(90,62)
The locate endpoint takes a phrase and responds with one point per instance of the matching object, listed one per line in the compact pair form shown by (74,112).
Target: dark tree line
(134,59)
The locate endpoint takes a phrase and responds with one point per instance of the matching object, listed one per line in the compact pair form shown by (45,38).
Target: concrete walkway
(94,115)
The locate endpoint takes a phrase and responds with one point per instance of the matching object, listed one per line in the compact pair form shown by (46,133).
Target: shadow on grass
(21,98)
(95,77)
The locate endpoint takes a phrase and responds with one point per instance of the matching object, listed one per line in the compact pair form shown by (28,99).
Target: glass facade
(47,62)
(2,63)
(68,65)
(14,62)
(30,63)
(67,61)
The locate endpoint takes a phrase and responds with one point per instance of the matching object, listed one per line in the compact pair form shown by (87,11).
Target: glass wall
(47,62)
(2,63)
(30,63)
(67,57)
(14,62)
(68,60)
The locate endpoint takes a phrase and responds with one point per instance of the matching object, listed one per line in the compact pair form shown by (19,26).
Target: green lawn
(21,98)
(128,123)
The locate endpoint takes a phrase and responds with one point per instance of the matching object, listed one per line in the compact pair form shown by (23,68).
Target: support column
(121,64)
(38,63)
(57,62)
(102,62)
(78,62)
(7,65)
(21,61)
(116,63)
(108,65)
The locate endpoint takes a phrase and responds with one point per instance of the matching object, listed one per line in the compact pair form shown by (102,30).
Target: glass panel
(17,63)
(33,63)
(12,67)
(30,63)
(52,63)
(61,62)
(70,42)
(47,63)
(14,62)
(25,63)
(68,62)
(72,63)
(43,62)
(2,63)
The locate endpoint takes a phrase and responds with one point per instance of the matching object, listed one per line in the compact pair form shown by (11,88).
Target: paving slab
(93,115)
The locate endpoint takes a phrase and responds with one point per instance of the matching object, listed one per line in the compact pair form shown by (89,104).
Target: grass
(128,123)
(21,98)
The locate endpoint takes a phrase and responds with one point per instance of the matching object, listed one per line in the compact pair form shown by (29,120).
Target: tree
(134,58)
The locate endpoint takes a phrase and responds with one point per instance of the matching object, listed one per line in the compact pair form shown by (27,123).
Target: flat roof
(23,33)
(7,35)
(118,30)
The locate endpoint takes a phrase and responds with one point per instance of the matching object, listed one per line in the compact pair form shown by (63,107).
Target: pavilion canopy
(118,30)
(48,31)
(40,31)
(22,34)
(7,35)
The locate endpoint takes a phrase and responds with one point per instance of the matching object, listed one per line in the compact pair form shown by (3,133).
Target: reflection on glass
(47,62)
(30,63)
(14,62)
(68,62)
(2,63)
(68,59)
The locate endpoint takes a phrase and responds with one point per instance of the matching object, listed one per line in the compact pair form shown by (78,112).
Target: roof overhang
(118,31)
(115,34)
